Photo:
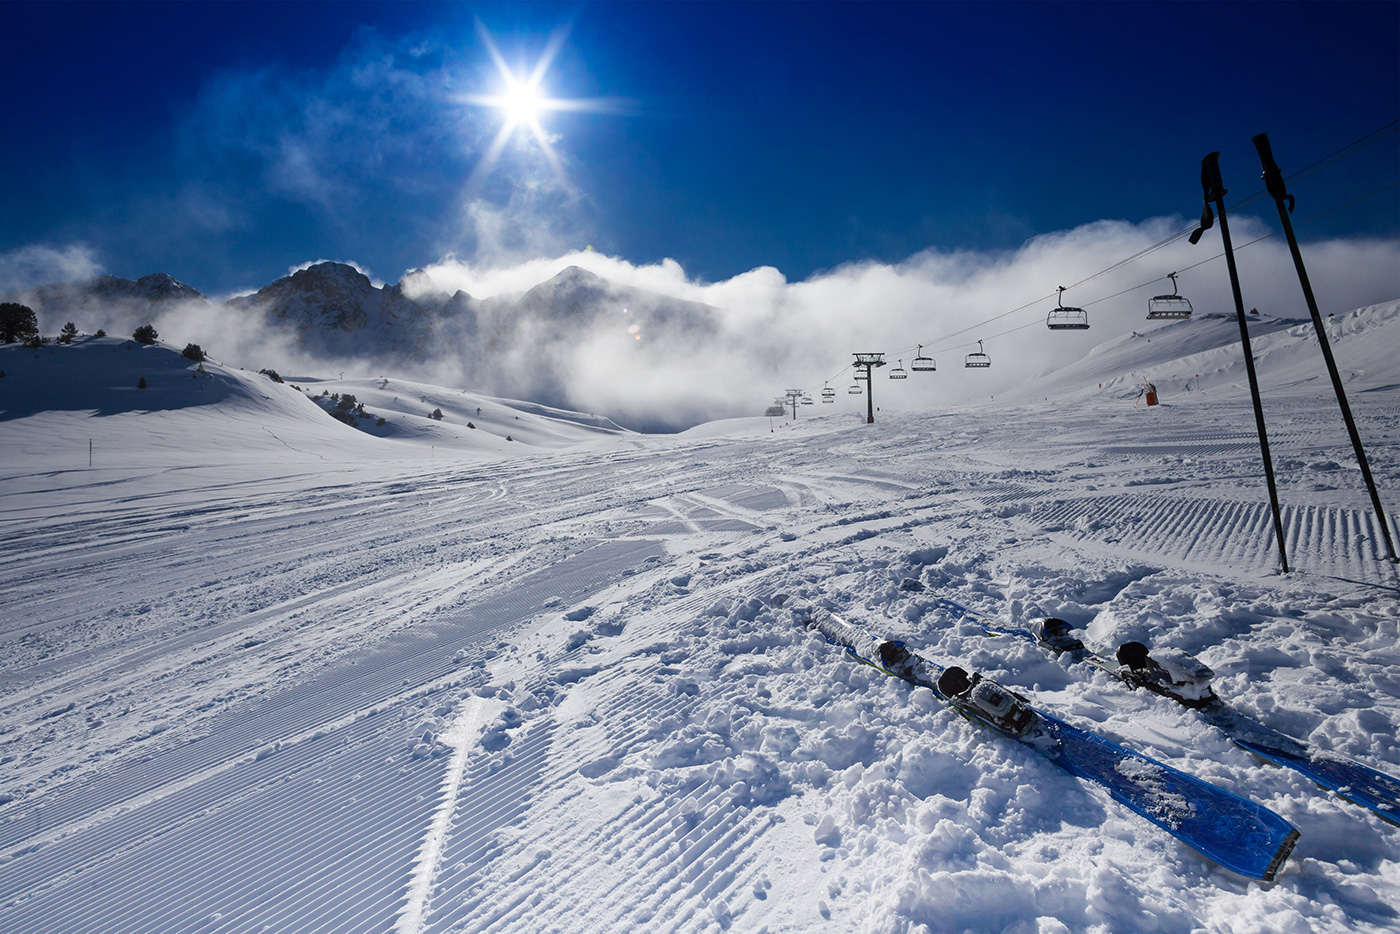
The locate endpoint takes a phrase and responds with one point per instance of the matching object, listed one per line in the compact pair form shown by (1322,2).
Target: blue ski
(1349,779)
(1234,831)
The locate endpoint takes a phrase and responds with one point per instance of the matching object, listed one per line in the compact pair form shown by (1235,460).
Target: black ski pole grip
(1273,178)
(1214,190)
(1210,177)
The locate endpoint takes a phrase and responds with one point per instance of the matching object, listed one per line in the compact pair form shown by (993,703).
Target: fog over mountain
(653,348)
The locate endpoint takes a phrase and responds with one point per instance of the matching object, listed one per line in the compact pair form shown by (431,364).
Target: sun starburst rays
(522,103)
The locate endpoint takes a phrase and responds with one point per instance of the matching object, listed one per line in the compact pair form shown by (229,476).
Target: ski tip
(1281,857)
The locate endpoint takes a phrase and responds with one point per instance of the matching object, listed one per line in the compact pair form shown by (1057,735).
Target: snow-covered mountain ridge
(334,309)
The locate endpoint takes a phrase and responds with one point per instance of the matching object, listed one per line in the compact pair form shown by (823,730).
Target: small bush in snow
(437,414)
(272,375)
(101,333)
(141,383)
(35,342)
(145,334)
(192,352)
(470,425)
(69,332)
(377,424)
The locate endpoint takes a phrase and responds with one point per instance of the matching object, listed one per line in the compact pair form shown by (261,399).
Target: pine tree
(17,323)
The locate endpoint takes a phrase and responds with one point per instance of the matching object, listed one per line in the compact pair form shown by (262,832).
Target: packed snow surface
(266,671)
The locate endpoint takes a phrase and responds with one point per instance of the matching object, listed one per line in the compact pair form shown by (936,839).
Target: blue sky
(226,143)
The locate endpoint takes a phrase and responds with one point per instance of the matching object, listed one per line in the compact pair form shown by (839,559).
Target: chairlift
(978,359)
(828,394)
(921,363)
(855,390)
(1066,319)
(862,374)
(1168,306)
(898,372)
(807,400)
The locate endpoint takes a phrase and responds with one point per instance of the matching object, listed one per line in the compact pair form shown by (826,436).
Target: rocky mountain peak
(329,274)
(572,292)
(162,287)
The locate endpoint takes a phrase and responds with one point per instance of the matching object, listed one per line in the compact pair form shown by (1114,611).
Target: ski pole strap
(1273,178)
(1214,190)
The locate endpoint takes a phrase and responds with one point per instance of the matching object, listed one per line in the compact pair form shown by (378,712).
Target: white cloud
(656,365)
(37,264)
(773,334)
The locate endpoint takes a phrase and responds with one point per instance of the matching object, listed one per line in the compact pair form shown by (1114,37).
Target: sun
(522,103)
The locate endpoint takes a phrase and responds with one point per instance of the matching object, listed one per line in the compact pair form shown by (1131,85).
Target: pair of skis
(1232,830)
(1349,779)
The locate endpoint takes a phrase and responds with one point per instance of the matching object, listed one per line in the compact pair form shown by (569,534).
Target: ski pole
(1214,188)
(1273,180)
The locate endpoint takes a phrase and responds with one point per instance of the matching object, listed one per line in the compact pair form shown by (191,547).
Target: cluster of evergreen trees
(19,324)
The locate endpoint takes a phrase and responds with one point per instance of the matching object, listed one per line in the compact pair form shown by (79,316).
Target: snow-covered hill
(1203,354)
(268,672)
(111,391)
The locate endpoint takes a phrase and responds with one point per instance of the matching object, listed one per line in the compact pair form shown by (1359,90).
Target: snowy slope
(268,672)
(89,391)
(1203,354)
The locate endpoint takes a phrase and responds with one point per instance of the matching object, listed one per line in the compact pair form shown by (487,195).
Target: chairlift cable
(1326,161)
(1348,150)
(1179,270)
(1318,165)
(1242,245)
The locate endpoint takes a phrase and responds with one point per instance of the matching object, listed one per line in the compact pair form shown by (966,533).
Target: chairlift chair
(1168,306)
(828,394)
(855,390)
(807,400)
(898,372)
(923,364)
(977,359)
(861,374)
(1066,319)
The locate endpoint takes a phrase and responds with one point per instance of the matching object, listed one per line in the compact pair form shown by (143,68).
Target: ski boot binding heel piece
(1182,677)
(1054,633)
(986,700)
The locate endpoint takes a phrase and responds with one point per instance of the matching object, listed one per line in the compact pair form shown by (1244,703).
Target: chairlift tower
(869,361)
(794,397)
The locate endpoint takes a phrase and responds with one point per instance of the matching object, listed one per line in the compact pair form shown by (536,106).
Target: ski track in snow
(460,737)
(543,694)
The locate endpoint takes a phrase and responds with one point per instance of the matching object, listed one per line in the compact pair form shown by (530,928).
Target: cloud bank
(772,334)
(646,358)
(36,264)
